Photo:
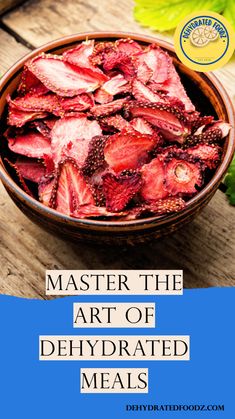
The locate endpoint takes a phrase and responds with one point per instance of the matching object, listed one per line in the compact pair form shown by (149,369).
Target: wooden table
(204,249)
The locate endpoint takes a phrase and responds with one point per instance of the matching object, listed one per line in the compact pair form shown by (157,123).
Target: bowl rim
(67,41)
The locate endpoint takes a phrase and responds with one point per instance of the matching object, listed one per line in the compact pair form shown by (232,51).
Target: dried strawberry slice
(128,150)
(36,103)
(182,176)
(102,97)
(48,164)
(141,125)
(166,206)
(30,169)
(30,83)
(142,93)
(165,74)
(210,154)
(210,136)
(99,195)
(110,88)
(95,155)
(115,59)
(119,191)
(19,118)
(144,73)
(223,127)
(158,61)
(63,78)
(116,121)
(108,108)
(19,177)
(70,137)
(115,85)
(91,211)
(170,120)
(128,46)
(80,54)
(72,190)
(46,189)
(100,50)
(158,208)
(32,144)
(175,88)
(200,123)
(153,176)
(78,103)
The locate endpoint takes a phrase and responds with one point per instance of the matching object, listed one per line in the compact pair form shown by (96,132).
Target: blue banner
(201,387)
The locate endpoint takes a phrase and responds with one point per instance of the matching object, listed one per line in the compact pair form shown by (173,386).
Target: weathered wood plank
(8,4)
(40,22)
(205,249)
(10,51)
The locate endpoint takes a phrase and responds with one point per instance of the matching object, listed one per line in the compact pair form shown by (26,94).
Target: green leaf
(229,12)
(230,183)
(164,15)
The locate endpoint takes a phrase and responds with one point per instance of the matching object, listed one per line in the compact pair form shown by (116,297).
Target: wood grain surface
(204,249)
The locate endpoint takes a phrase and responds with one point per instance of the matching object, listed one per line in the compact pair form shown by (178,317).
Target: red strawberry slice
(175,88)
(30,169)
(143,93)
(78,103)
(139,124)
(80,54)
(157,61)
(19,177)
(166,206)
(159,207)
(128,150)
(182,176)
(102,97)
(224,127)
(95,155)
(212,135)
(153,176)
(110,88)
(109,108)
(200,123)
(91,211)
(115,85)
(168,119)
(45,190)
(36,103)
(32,144)
(72,190)
(63,78)
(70,137)
(119,191)
(19,118)
(128,46)
(99,52)
(30,83)
(115,59)
(144,73)
(210,154)
(116,121)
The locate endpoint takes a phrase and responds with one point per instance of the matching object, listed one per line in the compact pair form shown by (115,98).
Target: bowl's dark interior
(194,91)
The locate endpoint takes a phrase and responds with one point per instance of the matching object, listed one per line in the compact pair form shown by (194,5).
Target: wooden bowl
(205,91)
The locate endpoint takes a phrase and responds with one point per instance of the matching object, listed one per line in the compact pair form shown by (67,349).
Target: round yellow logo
(204,41)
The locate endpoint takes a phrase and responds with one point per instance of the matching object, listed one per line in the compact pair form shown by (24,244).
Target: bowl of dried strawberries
(108,136)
